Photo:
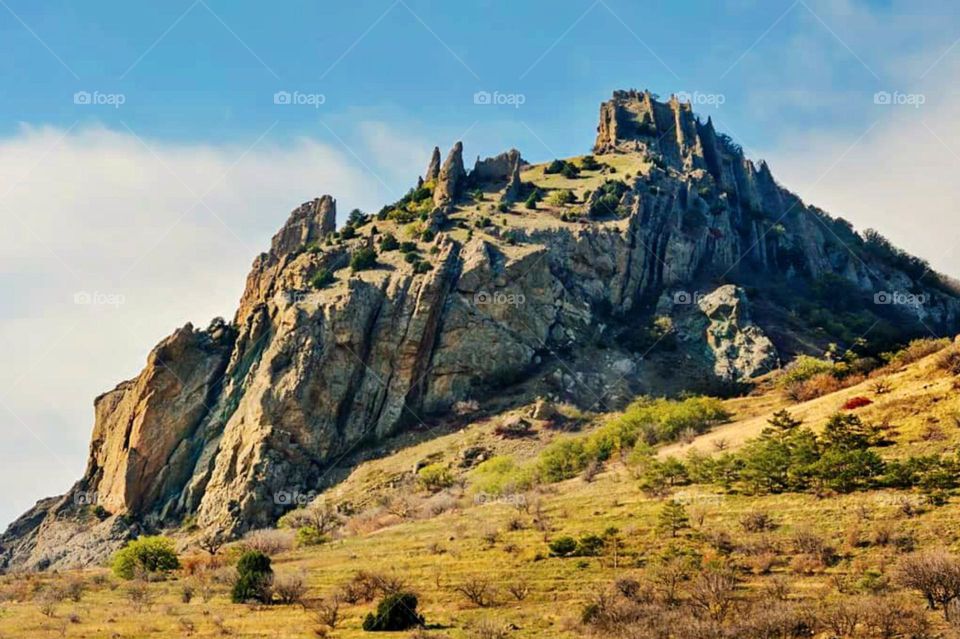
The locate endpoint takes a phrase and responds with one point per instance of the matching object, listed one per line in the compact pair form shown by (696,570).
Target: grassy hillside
(491,563)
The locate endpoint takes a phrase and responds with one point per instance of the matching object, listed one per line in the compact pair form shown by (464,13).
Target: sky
(149,150)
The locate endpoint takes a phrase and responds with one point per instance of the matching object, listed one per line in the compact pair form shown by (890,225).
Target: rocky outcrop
(451,179)
(229,425)
(739,348)
(497,169)
(433,168)
(514,189)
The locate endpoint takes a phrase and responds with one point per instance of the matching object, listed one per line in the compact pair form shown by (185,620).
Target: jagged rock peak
(451,179)
(433,169)
(496,169)
(309,222)
(514,189)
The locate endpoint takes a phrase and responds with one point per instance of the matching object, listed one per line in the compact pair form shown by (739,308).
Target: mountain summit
(665,261)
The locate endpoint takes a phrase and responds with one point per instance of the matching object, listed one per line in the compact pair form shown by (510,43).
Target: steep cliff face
(226,424)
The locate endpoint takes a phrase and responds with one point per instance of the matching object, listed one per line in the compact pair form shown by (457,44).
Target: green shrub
(569,171)
(310,536)
(563,547)
(363,259)
(562,459)
(589,163)
(803,368)
(561,197)
(357,218)
(254,576)
(435,477)
(531,202)
(501,475)
(146,555)
(389,242)
(422,267)
(394,612)
(554,167)
(348,232)
(322,278)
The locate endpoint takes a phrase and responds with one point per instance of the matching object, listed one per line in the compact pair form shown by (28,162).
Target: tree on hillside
(673,518)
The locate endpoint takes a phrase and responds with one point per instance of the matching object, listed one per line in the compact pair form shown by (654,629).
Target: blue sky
(207,70)
(160,203)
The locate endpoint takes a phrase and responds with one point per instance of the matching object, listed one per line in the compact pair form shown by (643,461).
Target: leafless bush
(667,578)
(319,515)
(935,573)
(440,503)
(74,588)
(841,616)
(949,360)
(490,629)
(212,542)
(187,627)
(289,588)
(777,588)
(269,541)
(326,611)
(757,521)
(881,387)
(591,471)
(519,589)
(365,586)
(478,590)
(713,591)
(810,543)
(140,596)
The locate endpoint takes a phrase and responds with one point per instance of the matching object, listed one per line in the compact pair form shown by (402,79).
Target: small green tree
(389,242)
(322,278)
(363,259)
(673,518)
(563,546)
(254,576)
(781,422)
(356,218)
(146,555)
(310,536)
(394,612)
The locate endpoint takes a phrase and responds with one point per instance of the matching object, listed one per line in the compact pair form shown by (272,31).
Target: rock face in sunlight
(342,339)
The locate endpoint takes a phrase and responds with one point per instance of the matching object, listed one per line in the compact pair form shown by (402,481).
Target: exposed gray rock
(451,179)
(496,169)
(223,420)
(740,349)
(433,169)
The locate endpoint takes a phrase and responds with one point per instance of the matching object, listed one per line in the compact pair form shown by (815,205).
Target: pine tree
(673,518)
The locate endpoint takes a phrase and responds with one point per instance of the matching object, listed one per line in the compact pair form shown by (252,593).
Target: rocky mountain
(664,261)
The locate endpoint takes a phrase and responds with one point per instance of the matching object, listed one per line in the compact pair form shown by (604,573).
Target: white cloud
(97,211)
(899,178)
